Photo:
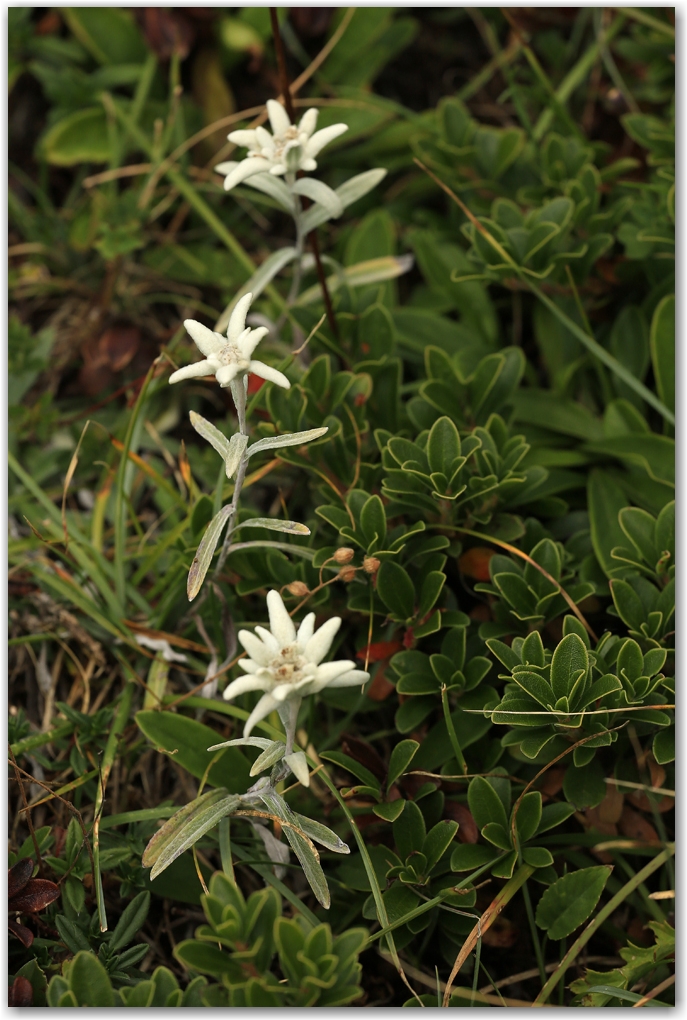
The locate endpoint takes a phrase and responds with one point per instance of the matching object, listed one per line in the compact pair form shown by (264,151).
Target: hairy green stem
(239,389)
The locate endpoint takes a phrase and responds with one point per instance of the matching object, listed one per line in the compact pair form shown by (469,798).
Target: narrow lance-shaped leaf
(301,845)
(350,191)
(267,271)
(322,834)
(319,192)
(261,742)
(230,450)
(270,756)
(206,549)
(274,187)
(290,527)
(288,439)
(386,267)
(186,827)
(131,921)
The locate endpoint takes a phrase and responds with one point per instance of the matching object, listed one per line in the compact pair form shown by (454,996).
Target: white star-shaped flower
(228,357)
(287,664)
(290,147)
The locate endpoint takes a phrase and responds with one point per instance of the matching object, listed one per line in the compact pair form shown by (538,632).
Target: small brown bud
(371,564)
(347,573)
(298,588)
(343,555)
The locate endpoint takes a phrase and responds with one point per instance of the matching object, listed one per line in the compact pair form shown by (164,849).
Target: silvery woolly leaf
(267,183)
(230,450)
(289,527)
(350,191)
(301,845)
(299,767)
(273,753)
(288,439)
(237,446)
(208,431)
(206,550)
(277,851)
(274,187)
(321,193)
(186,827)
(355,187)
(321,834)
(261,742)
(257,283)
(387,267)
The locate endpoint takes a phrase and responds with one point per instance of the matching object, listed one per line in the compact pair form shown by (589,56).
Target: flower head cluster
(290,147)
(287,664)
(229,357)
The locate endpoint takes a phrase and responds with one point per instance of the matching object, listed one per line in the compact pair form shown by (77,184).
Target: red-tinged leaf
(635,826)
(380,688)
(378,651)
(37,894)
(119,345)
(18,876)
(412,784)
(467,827)
(475,563)
(21,992)
(364,753)
(24,934)
(255,383)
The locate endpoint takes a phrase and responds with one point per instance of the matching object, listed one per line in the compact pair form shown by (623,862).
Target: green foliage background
(500,454)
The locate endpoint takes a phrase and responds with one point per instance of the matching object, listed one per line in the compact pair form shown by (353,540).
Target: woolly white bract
(290,147)
(287,664)
(228,357)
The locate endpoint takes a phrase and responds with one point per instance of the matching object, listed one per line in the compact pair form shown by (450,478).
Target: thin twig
(656,991)
(485,922)
(70,806)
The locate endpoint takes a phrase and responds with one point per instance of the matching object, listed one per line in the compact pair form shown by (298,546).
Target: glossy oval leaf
(568,659)
(396,590)
(400,759)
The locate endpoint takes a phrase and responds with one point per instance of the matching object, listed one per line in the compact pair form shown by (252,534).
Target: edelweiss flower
(229,357)
(286,664)
(290,148)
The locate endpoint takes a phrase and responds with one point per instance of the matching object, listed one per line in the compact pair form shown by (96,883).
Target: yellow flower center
(230,354)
